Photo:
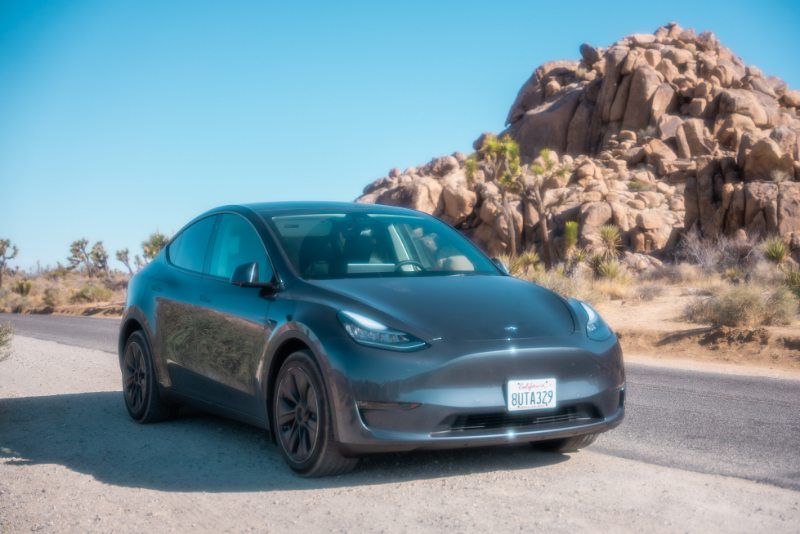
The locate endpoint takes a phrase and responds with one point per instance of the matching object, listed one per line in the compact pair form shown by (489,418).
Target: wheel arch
(129,326)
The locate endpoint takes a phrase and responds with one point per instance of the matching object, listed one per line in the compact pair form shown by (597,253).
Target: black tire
(566,444)
(301,416)
(139,385)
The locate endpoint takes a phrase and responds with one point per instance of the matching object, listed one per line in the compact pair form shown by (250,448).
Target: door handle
(156,288)
(204,298)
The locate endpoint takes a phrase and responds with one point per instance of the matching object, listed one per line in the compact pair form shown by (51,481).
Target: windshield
(337,245)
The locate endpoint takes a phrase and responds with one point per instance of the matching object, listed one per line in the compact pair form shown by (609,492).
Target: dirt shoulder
(654,332)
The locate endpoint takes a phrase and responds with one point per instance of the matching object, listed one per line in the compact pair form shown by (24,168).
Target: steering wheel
(409,262)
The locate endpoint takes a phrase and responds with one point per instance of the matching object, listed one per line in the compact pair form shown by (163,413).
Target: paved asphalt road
(740,426)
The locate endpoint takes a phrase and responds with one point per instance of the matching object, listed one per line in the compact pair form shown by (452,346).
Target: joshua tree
(153,245)
(534,183)
(94,260)
(99,257)
(123,256)
(7,252)
(499,159)
(79,255)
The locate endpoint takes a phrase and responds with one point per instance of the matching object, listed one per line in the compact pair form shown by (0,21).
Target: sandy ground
(70,460)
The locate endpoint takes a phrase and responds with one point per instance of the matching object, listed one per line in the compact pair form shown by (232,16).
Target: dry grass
(744,305)
(792,280)
(91,292)
(647,292)
(719,254)
(51,290)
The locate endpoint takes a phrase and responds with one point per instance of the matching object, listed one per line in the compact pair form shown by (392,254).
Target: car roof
(269,209)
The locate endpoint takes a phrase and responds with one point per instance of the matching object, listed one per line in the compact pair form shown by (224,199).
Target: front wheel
(301,416)
(566,444)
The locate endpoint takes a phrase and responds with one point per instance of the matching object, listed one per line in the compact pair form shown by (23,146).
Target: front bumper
(452,395)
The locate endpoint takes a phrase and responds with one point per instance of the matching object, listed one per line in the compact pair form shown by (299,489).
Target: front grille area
(509,421)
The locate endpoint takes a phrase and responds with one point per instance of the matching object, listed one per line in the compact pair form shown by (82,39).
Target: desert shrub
(744,305)
(524,262)
(782,305)
(575,258)
(645,133)
(521,264)
(610,241)
(720,253)
(56,273)
(556,280)
(647,292)
(775,250)
(613,288)
(792,280)
(605,267)
(91,293)
(6,334)
(51,297)
(764,273)
(569,285)
(14,303)
(22,287)
(674,273)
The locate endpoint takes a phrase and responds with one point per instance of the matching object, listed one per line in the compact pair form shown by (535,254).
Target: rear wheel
(139,385)
(301,416)
(566,444)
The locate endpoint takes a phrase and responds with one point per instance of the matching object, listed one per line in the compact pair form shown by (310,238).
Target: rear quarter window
(188,249)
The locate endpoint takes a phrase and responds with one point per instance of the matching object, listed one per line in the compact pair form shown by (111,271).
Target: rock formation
(661,132)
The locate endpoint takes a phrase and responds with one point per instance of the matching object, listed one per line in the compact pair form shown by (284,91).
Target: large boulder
(423,194)
(766,161)
(458,204)
(546,126)
(745,103)
(644,83)
(789,209)
(595,214)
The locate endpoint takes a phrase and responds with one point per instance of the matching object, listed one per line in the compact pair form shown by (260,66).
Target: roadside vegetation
(84,284)
(735,283)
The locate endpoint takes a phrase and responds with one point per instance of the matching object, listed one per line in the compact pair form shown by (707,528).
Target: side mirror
(502,266)
(246,275)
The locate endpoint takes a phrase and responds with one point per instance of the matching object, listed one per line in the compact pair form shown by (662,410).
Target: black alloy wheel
(302,420)
(297,413)
(134,377)
(139,385)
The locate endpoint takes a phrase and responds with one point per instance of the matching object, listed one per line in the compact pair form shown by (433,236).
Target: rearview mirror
(246,275)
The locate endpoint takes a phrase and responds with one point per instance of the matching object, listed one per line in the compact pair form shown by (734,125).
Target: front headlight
(596,327)
(374,334)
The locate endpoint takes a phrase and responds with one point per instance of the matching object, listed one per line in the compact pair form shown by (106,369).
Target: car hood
(469,307)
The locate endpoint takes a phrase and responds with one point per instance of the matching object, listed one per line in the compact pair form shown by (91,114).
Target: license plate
(533,394)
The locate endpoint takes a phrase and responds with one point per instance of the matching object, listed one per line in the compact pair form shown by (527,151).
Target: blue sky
(119,118)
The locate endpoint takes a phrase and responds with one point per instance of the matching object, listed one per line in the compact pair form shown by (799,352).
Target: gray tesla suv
(346,329)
